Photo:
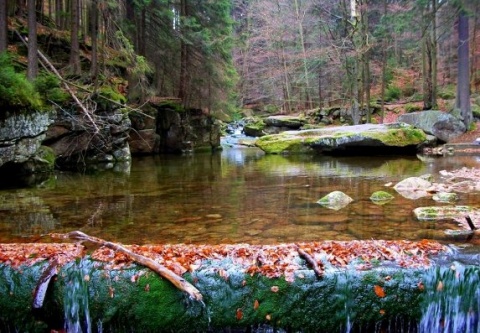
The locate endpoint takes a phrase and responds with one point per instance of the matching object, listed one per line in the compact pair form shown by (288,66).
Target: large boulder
(358,139)
(21,136)
(290,122)
(75,140)
(442,125)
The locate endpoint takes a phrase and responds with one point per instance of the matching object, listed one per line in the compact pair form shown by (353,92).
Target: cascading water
(452,300)
(76,308)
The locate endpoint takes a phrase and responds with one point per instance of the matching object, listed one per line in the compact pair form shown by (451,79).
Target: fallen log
(106,291)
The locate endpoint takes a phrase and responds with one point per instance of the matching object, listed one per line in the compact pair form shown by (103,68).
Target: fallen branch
(176,280)
(470,223)
(308,258)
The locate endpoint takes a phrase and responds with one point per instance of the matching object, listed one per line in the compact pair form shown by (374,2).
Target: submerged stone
(445,197)
(335,200)
(381,197)
(413,188)
(437,213)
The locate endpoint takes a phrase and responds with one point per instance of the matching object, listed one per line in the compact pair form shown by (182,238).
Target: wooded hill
(279,55)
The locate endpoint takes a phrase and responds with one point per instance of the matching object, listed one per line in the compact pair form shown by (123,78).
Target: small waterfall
(76,309)
(452,300)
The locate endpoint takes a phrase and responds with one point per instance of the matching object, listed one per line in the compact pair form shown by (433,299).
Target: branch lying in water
(176,280)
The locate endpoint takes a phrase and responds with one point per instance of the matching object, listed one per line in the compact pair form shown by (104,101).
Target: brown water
(234,196)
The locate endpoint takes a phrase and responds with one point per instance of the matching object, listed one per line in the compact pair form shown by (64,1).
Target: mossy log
(131,298)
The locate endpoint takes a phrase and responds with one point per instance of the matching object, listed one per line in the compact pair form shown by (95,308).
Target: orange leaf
(382,312)
(379,291)
(256,304)
(239,314)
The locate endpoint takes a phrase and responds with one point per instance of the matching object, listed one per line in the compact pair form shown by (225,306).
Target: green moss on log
(138,299)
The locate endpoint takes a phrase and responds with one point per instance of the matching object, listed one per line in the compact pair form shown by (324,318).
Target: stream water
(234,196)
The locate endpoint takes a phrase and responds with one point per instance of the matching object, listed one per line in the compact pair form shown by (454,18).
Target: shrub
(412,108)
(447,92)
(48,86)
(408,91)
(392,93)
(16,91)
(476,111)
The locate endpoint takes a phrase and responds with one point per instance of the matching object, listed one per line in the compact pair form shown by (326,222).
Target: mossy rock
(381,197)
(282,144)
(445,197)
(254,127)
(438,213)
(335,200)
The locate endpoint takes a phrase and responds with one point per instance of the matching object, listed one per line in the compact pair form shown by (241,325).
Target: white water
(76,309)
(453,301)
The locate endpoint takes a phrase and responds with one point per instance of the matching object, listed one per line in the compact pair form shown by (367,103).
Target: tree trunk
(39,10)
(21,8)
(429,56)
(75,65)
(3,26)
(182,87)
(94,35)
(474,71)
(384,66)
(58,14)
(32,70)
(308,102)
(366,61)
(434,54)
(463,79)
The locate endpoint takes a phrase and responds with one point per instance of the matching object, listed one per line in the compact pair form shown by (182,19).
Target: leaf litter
(272,261)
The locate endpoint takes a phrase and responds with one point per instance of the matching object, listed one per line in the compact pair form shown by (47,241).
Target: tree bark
(94,35)
(474,70)
(463,79)
(74,63)
(308,102)
(32,69)
(3,26)
(182,86)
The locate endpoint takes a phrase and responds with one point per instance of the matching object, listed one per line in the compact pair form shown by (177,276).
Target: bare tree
(463,79)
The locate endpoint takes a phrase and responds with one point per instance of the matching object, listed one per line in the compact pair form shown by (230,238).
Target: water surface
(239,195)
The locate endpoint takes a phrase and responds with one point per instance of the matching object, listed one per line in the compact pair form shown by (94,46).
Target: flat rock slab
(357,139)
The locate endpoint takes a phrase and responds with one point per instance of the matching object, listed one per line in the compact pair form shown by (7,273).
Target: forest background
(279,56)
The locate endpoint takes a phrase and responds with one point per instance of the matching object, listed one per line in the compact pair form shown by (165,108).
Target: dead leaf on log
(239,314)
(379,291)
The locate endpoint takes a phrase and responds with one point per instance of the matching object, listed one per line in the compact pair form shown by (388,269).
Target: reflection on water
(238,195)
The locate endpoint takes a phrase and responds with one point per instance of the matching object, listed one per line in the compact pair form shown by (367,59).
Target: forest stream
(238,195)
